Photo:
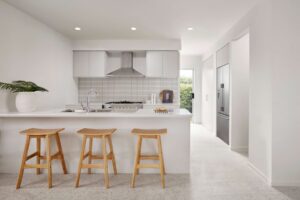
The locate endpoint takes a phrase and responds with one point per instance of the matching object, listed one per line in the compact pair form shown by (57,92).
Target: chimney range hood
(126,69)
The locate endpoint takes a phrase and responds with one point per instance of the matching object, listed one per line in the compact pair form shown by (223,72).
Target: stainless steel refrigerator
(223,78)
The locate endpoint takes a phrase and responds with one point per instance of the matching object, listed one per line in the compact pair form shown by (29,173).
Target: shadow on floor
(292,192)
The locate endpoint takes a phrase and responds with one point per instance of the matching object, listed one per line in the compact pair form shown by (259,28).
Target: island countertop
(57,113)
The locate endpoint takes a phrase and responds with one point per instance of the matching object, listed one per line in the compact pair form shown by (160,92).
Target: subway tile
(117,89)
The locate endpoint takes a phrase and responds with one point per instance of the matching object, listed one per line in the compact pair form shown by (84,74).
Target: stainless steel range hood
(126,69)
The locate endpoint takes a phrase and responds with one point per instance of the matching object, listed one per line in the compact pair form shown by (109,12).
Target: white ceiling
(154,19)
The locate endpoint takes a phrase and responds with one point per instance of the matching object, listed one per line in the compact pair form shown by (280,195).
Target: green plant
(186,90)
(21,86)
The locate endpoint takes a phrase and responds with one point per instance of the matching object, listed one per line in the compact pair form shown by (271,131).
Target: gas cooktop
(125,102)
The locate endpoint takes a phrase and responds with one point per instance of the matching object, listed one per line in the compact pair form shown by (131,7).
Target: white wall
(257,22)
(208,94)
(239,94)
(286,94)
(274,122)
(194,63)
(32,51)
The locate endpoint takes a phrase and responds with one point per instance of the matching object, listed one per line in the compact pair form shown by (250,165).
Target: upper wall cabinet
(171,64)
(154,63)
(89,63)
(162,64)
(223,56)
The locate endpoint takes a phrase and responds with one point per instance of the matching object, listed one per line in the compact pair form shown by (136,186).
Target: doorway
(186,89)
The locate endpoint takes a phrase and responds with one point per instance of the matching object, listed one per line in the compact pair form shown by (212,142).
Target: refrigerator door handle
(222,104)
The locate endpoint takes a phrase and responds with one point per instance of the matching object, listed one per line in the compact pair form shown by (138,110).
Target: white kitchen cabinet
(97,63)
(162,64)
(90,63)
(154,62)
(170,64)
(80,64)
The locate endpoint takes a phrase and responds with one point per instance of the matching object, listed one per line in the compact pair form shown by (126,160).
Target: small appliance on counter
(166,96)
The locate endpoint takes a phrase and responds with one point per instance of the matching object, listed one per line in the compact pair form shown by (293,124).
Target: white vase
(26,101)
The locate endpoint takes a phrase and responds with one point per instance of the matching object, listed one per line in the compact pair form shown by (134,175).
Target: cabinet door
(97,63)
(154,61)
(81,64)
(170,64)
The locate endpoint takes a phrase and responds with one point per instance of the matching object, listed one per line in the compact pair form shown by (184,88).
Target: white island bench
(176,144)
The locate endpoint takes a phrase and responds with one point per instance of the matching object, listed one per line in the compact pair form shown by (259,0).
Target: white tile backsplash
(131,89)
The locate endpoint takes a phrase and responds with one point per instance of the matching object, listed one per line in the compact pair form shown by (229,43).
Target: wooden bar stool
(38,134)
(149,134)
(105,135)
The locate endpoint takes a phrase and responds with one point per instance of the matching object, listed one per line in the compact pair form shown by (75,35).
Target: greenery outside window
(186,89)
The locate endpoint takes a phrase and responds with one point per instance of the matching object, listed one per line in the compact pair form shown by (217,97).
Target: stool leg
(38,157)
(106,180)
(113,154)
(161,161)
(49,161)
(62,158)
(139,153)
(24,157)
(137,160)
(90,153)
(80,160)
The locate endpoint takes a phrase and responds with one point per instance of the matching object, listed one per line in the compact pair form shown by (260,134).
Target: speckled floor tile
(216,174)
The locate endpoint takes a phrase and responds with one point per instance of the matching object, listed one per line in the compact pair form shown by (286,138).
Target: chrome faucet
(90,92)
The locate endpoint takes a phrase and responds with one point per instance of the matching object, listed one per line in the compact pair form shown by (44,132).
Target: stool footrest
(149,157)
(149,136)
(92,166)
(86,155)
(139,166)
(56,156)
(32,155)
(35,166)
(96,157)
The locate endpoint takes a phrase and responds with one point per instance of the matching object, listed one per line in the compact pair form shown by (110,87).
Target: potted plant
(26,96)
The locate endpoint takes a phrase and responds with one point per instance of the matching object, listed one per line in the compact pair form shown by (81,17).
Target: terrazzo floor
(216,174)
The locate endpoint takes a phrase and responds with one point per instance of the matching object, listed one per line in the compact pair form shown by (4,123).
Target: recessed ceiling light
(190,28)
(77,28)
(133,28)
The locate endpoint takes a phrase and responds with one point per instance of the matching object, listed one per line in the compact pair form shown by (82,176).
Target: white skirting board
(259,173)
(239,149)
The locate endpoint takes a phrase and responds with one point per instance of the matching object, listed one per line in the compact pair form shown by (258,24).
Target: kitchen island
(176,144)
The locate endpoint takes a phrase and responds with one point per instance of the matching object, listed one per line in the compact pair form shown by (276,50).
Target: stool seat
(38,131)
(38,134)
(148,134)
(96,132)
(137,131)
